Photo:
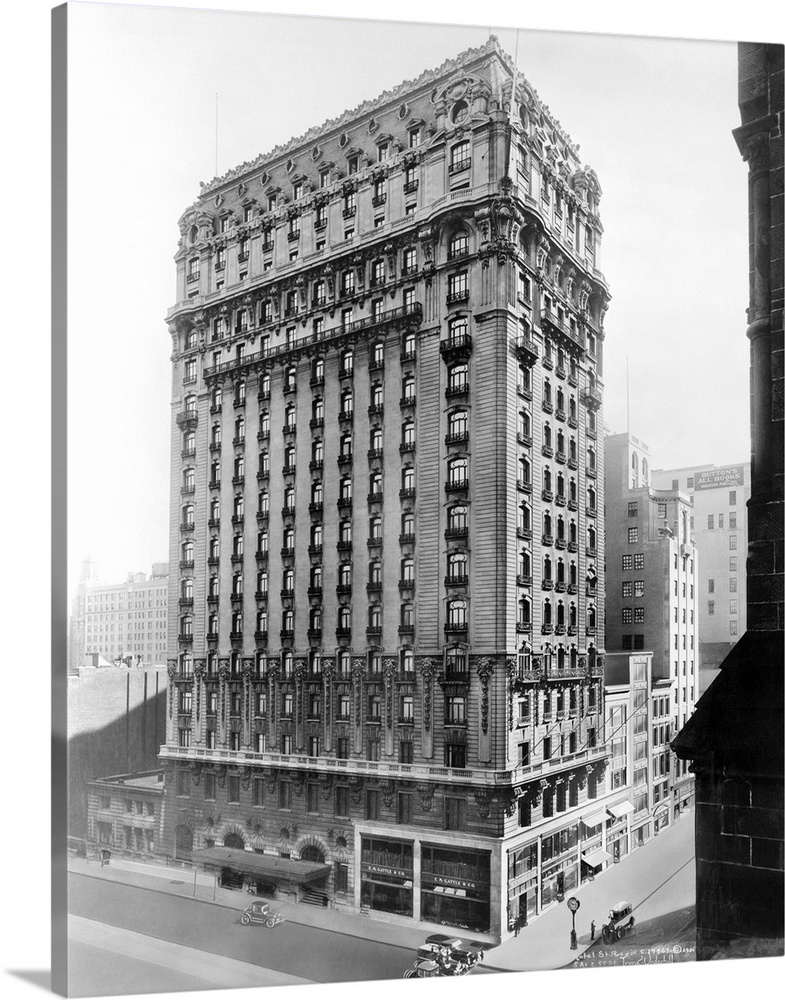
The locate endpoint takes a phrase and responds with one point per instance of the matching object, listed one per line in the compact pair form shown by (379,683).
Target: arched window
(456,613)
(374,571)
(408,387)
(547,568)
(187,515)
(524,611)
(456,567)
(375,616)
(459,243)
(375,527)
(345,532)
(547,524)
(215,435)
(407,615)
(546,435)
(457,519)
(407,434)
(407,571)
(458,472)
(347,363)
(407,525)
(407,480)
(458,331)
(458,425)
(187,589)
(546,612)
(377,440)
(189,479)
(346,445)
(239,467)
(458,378)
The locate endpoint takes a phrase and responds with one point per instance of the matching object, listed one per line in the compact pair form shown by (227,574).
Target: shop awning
(262,866)
(595,858)
(594,819)
(621,809)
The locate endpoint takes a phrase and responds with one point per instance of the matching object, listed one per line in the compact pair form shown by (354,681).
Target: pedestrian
(592,930)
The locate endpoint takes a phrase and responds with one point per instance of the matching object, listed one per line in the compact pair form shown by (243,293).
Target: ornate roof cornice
(367,107)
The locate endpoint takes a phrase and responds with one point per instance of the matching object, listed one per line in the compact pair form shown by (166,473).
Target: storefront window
(455,887)
(386,875)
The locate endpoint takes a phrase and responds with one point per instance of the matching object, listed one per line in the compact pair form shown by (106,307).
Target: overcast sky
(653,117)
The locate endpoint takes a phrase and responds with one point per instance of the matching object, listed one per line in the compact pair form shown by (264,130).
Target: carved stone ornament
(245,778)
(356,786)
(426,797)
(484,671)
(270,779)
(387,788)
(298,782)
(483,798)
(756,152)
(196,772)
(326,782)
(220,775)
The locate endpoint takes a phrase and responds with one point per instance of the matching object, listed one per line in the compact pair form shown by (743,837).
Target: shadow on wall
(116,724)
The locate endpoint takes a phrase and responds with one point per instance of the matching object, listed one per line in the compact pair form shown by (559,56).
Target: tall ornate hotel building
(387,511)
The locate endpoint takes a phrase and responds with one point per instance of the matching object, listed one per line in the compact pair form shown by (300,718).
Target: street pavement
(658,879)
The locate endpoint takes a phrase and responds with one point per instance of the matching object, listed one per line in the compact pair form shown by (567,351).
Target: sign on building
(720,479)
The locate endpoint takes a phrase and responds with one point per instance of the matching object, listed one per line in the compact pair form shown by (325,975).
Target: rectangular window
(284,795)
(626,588)
(721,522)
(710,522)
(711,607)
(732,541)
(632,536)
(639,616)
(233,788)
(734,607)
(639,588)
(258,791)
(341,800)
(626,616)
(313,797)
(732,498)
(454,814)
(638,560)
(733,564)
(626,562)
(405,807)
(711,586)
(734,627)
(405,752)
(632,508)
(372,803)
(638,642)
(732,519)
(662,510)
(733,584)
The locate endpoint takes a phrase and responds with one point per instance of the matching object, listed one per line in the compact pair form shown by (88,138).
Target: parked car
(424,968)
(260,913)
(617,928)
(454,950)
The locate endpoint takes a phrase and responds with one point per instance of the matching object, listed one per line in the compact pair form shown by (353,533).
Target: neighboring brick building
(719,530)
(122,622)
(734,741)
(652,578)
(125,812)
(387,509)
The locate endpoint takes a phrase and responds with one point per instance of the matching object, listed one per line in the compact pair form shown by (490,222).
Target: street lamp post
(573,905)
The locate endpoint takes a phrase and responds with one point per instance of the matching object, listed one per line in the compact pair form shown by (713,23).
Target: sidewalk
(545,943)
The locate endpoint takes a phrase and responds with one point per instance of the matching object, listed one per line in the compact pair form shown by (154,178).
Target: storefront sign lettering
(382,870)
(457,882)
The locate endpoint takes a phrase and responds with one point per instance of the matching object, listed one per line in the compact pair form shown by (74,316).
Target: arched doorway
(312,853)
(234,840)
(315,893)
(183,842)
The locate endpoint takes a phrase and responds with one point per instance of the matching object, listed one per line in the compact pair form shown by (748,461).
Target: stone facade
(387,501)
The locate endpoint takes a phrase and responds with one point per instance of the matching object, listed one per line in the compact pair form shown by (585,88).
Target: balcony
(452,534)
(187,526)
(547,406)
(405,720)
(524,533)
(212,637)
(238,519)
(550,320)
(343,589)
(547,451)
(375,587)
(457,347)
(408,356)
(560,543)
(547,495)
(406,447)
(315,549)
(236,596)
(289,429)
(592,399)
(547,584)
(344,503)
(344,546)
(287,593)
(349,212)
(547,539)
(314,635)
(288,470)
(526,351)
(187,419)
(374,453)
(346,458)
(315,507)
(287,635)
(316,465)
(523,628)
(343,632)
(346,415)
(591,472)
(238,480)
(236,557)
(456,485)
(379,199)
(287,553)
(457,295)
(408,493)
(460,165)
(293,235)
(524,485)
(524,439)
(407,539)
(561,457)
(185,637)
(411,186)
(375,542)
(451,628)
(406,629)
(591,551)
(377,409)
(261,595)
(546,629)
(262,555)
(262,515)
(376,497)
(406,584)
(212,561)
(186,602)
(524,580)
(455,580)
(373,631)
(213,598)
(560,500)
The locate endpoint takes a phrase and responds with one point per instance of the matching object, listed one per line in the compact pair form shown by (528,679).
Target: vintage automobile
(260,913)
(454,951)
(424,968)
(616,928)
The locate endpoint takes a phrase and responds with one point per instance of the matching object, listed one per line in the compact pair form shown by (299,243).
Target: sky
(158,96)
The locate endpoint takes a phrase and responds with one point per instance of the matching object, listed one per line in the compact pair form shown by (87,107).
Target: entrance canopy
(594,858)
(262,866)
(621,809)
